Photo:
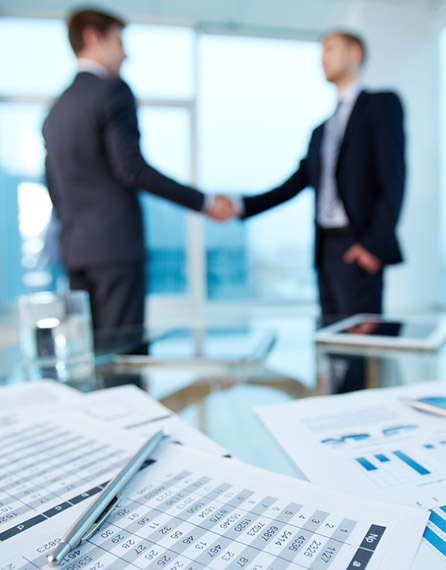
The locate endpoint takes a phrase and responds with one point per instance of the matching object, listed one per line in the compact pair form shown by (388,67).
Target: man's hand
(221,209)
(365,259)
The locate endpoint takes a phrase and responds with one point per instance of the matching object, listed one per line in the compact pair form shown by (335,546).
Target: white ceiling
(283,16)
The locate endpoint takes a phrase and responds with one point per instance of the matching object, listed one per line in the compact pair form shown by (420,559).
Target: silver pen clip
(101,518)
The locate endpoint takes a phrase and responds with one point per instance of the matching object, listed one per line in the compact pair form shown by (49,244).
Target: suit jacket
(94,169)
(370,175)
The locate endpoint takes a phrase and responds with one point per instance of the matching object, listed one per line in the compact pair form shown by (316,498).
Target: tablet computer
(380,331)
(234,344)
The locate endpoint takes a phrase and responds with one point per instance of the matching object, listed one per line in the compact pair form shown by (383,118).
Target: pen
(95,515)
(425,406)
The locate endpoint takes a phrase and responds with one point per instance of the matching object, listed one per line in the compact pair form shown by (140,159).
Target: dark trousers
(344,290)
(116,291)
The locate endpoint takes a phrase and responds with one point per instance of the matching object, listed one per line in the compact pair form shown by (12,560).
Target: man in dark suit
(355,163)
(94,171)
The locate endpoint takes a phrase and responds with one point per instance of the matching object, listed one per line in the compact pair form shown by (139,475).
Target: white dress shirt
(91,66)
(330,212)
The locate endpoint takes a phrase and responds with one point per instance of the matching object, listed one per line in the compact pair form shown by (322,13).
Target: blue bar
(382,457)
(438,521)
(443,509)
(443,442)
(429,446)
(435,540)
(418,468)
(365,463)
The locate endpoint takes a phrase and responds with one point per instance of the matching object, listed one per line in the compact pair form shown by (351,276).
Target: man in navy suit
(355,163)
(94,171)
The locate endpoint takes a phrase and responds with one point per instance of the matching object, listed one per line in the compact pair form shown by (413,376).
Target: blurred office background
(228,95)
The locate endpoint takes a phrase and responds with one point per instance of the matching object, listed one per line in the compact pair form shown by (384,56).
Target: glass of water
(55,335)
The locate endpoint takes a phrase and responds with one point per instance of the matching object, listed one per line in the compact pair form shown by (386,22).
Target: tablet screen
(390,329)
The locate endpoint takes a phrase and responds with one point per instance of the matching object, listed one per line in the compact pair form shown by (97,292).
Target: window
(30,77)
(160,61)
(165,144)
(25,98)
(159,68)
(259,101)
(25,207)
(234,112)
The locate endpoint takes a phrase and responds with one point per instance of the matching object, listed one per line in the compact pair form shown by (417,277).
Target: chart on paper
(398,467)
(398,454)
(194,511)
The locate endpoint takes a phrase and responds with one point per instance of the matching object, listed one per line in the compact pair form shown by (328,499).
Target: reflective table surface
(276,361)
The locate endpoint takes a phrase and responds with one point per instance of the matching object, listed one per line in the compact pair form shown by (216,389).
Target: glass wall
(32,73)
(259,101)
(25,206)
(160,70)
(165,143)
(234,113)
(160,62)
(32,79)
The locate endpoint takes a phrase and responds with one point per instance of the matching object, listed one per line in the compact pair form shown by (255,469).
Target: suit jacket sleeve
(49,179)
(390,172)
(121,136)
(51,184)
(290,188)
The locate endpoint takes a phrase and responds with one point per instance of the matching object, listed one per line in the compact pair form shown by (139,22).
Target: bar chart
(420,465)
(396,467)
(435,532)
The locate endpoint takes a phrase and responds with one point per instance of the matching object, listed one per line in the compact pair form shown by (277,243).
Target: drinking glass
(55,335)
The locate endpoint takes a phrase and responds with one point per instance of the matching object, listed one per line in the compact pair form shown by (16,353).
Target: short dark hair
(352,39)
(79,20)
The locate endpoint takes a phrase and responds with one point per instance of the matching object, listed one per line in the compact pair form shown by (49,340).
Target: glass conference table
(261,361)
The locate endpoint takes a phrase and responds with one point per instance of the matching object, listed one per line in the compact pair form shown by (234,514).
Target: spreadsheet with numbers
(51,462)
(371,443)
(189,510)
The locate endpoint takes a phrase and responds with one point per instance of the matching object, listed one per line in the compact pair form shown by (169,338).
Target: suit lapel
(354,120)
(316,156)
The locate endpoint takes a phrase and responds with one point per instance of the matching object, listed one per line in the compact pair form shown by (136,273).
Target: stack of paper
(189,509)
(372,444)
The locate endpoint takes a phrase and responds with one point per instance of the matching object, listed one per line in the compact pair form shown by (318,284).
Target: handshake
(222,208)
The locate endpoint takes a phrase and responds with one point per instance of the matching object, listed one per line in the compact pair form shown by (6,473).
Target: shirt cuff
(208,202)
(239,205)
